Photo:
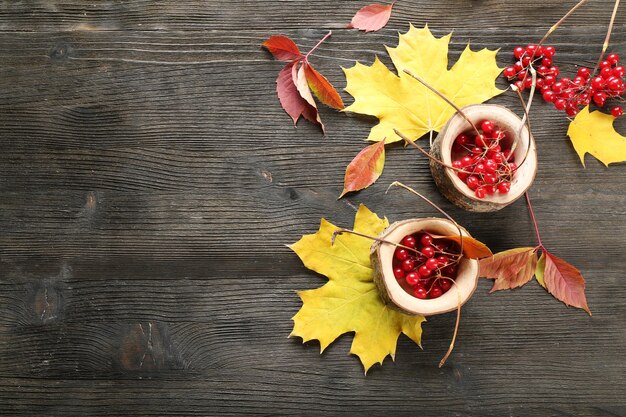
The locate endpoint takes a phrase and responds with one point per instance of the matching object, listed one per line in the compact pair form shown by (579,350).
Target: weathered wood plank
(148,183)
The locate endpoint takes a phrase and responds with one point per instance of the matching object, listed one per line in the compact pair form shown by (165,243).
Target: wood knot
(59,51)
(147,347)
(47,302)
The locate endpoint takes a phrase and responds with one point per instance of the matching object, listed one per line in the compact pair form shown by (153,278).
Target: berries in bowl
(427,274)
(487,168)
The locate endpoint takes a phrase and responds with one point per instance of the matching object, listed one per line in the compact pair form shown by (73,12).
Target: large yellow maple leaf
(593,132)
(349,301)
(403,103)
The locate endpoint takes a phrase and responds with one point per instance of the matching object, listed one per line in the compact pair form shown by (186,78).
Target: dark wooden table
(149,181)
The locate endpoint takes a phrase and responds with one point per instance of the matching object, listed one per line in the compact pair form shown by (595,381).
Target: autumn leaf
(401,102)
(365,168)
(296,80)
(541,266)
(511,269)
(593,133)
(472,248)
(371,18)
(564,282)
(349,301)
(283,48)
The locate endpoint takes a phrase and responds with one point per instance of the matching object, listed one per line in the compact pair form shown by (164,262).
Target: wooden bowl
(453,188)
(394,295)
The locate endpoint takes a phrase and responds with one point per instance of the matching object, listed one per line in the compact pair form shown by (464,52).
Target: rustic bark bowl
(390,290)
(453,188)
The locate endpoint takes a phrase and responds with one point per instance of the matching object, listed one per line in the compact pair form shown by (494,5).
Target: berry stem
(607,38)
(456,329)
(446,99)
(532,215)
(411,190)
(419,148)
(526,109)
(557,24)
(306,57)
(338,232)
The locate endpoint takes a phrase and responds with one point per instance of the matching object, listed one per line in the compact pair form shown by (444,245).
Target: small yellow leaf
(541,266)
(401,102)
(593,132)
(349,301)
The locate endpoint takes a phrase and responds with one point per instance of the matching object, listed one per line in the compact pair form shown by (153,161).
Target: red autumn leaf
(322,88)
(472,248)
(365,168)
(288,95)
(371,18)
(511,269)
(565,282)
(283,48)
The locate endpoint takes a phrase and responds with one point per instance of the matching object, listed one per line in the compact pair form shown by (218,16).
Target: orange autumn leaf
(511,269)
(322,88)
(371,18)
(472,248)
(365,168)
(564,282)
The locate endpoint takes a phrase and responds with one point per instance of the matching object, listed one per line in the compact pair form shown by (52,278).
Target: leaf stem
(306,57)
(532,215)
(446,99)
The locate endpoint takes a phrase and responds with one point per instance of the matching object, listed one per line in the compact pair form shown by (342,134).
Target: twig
(519,95)
(605,45)
(456,330)
(377,239)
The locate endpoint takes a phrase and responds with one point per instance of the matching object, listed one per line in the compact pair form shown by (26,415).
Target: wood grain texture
(149,180)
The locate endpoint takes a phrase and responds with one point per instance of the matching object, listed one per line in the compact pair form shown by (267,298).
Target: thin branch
(605,45)
(557,24)
(446,99)
(419,148)
(519,95)
(377,239)
(456,329)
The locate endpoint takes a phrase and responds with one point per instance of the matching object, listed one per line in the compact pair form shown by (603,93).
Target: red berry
(597,83)
(549,51)
(549,80)
(480,140)
(614,84)
(428,251)
(435,292)
(466,160)
(420,292)
(490,179)
(480,192)
(432,263)
(426,239)
(526,60)
(617,111)
(599,99)
(560,104)
(528,82)
(412,278)
(424,271)
(531,49)
(518,52)
(398,273)
(457,164)
(443,260)
(409,241)
(462,139)
(504,187)
(613,58)
(558,86)
(619,71)
(491,166)
(519,85)
(583,72)
(549,96)
(401,254)
(605,64)
(472,182)
(509,72)
(571,111)
(408,265)
(546,62)
(490,189)
(518,66)
(445,285)
(606,72)
(476,150)
(487,126)
(554,71)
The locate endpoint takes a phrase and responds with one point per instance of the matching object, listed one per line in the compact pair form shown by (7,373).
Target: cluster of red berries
(429,269)
(564,93)
(484,161)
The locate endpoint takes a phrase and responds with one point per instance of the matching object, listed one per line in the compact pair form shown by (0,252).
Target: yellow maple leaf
(593,132)
(401,102)
(349,301)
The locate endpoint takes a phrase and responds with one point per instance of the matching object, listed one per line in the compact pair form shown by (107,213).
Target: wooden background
(149,180)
